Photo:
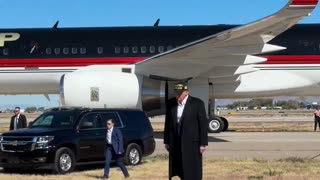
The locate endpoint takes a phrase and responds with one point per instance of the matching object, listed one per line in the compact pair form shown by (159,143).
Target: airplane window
(169,47)
(126,49)
(152,49)
(134,49)
(83,50)
(74,50)
(117,50)
(57,50)
(65,50)
(5,51)
(143,49)
(48,50)
(160,49)
(100,50)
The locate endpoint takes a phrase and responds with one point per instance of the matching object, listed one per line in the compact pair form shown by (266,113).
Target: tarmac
(249,145)
(258,145)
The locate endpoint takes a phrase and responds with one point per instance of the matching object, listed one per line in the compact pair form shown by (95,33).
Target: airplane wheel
(226,123)
(216,125)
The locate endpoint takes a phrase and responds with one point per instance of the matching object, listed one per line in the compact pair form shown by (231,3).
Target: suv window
(110,115)
(135,119)
(55,119)
(90,117)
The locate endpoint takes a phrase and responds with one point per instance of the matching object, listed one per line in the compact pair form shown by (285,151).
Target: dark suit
(185,138)
(22,122)
(113,151)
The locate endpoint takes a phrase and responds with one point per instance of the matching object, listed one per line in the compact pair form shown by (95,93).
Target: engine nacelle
(113,90)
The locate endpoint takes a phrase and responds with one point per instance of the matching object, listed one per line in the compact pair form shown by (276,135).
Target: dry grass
(157,168)
(296,126)
(239,127)
(271,126)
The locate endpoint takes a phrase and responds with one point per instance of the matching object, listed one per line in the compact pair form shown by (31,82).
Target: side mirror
(86,125)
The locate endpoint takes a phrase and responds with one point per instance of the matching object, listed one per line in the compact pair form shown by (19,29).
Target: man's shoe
(127,176)
(105,178)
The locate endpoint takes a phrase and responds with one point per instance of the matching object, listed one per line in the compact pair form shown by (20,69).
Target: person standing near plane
(114,149)
(185,134)
(18,120)
(316,118)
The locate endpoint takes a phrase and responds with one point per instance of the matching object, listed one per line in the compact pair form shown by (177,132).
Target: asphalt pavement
(264,145)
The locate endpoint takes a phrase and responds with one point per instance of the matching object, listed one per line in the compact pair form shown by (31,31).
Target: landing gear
(217,124)
(226,123)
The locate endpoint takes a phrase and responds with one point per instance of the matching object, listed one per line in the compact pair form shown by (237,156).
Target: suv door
(89,137)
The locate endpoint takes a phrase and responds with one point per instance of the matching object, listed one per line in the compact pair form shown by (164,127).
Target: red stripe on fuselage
(73,62)
(65,62)
(304,2)
(292,59)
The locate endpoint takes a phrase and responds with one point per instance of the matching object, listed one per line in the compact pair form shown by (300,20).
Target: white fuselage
(269,80)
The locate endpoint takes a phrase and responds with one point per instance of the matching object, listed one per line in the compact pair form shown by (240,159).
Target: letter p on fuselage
(6,37)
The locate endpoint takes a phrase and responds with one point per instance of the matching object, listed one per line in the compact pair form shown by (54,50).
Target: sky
(102,13)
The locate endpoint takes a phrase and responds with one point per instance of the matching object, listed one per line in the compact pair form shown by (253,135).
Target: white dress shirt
(181,108)
(109,136)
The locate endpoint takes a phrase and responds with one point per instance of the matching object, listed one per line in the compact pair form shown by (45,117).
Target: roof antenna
(55,26)
(156,24)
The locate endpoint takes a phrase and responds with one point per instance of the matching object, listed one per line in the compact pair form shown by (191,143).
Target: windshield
(55,119)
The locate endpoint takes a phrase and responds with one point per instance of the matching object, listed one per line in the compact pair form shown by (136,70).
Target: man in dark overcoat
(185,134)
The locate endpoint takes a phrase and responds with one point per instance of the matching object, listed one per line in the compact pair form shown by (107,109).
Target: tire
(64,161)
(215,125)
(133,154)
(226,123)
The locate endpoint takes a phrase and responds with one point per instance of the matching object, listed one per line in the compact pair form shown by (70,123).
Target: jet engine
(113,90)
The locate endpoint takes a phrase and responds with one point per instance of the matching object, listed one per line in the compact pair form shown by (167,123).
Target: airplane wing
(227,54)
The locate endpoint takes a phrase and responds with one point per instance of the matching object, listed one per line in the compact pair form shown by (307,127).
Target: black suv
(62,138)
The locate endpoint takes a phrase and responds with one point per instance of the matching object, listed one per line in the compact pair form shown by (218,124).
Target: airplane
(136,67)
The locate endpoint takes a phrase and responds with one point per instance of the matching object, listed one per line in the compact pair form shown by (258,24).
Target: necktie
(16,123)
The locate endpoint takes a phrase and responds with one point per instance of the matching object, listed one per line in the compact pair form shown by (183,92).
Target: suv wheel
(64,161)
(133,154)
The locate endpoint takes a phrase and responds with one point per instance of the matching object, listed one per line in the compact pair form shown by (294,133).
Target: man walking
(114,149)
(18,120)
(185,134)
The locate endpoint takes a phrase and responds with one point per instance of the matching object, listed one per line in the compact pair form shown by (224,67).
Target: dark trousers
(109,155)
(177,159)
(316,121)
